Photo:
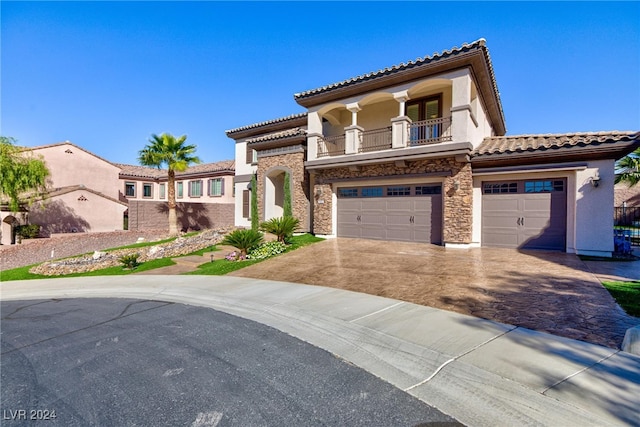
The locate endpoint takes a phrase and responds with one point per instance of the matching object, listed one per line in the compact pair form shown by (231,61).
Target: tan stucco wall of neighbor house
(76,212)
(70,165)
(293,163)
(150,215)
(457,204)
(227,197)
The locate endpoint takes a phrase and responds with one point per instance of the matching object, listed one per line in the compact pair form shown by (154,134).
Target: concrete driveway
(550,292)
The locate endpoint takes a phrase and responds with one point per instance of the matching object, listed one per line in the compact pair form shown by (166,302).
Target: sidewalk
(481,372)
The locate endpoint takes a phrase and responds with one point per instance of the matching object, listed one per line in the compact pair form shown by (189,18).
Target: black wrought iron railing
(375,140)
(331,146)
(430,131)
(628,218)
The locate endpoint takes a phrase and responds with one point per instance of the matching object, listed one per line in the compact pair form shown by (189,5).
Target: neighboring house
(418,152)
(627,196)
(204,196)
(90,194)
(84,192)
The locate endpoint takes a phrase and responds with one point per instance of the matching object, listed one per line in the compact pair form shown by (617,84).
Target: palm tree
(177,156)
(628,169)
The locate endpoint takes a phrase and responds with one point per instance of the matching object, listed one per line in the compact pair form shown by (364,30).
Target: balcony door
(422,112)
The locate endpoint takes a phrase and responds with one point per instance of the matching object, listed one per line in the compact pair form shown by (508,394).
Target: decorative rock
(154,250)
(631,342)
(98,254)
(140,239)
(180,246)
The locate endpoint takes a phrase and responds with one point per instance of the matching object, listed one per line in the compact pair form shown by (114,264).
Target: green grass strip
(626,294)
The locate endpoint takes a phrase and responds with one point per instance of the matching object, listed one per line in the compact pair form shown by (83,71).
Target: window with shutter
(216,187)
(246,196)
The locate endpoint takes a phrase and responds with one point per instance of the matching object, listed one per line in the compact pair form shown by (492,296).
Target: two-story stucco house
(90,194)
(84,193)
(418,152)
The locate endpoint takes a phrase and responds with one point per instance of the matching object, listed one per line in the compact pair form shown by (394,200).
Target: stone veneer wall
(457,216)
(149,215)
(294,163)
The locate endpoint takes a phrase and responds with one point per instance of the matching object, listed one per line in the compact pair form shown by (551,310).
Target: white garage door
(410,213)
(528,214)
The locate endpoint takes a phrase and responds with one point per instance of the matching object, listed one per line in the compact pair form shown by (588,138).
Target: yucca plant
(129,261)
(282,227)
(243,240)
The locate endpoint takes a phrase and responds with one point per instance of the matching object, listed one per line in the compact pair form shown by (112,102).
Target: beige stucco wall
(70,165)
(594,209)
(77,211)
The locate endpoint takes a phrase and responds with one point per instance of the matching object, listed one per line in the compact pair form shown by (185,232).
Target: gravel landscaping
(39,250)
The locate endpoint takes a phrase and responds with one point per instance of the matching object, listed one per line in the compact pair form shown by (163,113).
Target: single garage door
(530,214)
(411,213)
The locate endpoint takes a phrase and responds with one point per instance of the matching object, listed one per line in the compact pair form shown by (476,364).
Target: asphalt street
(148,363)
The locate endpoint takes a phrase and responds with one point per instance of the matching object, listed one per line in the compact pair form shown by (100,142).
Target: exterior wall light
(595,181)
(456,185)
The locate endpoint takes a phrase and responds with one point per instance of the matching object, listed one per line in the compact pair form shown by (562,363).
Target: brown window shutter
(249,155)
(246,194)
(222,186)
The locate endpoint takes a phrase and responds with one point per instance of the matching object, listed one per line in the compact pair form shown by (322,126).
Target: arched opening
(8,236)
(274,194)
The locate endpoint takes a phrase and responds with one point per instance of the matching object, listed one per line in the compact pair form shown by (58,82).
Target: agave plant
(243,240)
(282,227)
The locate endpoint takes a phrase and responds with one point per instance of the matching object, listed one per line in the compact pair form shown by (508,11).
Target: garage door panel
(400,234)
(375,219)
(370,232)
(399,205)
(535,220)
(402,218)
(500,204)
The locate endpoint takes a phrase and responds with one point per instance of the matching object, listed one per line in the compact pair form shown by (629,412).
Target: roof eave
(299,120)
(605,151)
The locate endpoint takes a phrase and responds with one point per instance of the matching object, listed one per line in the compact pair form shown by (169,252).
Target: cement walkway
(481,372)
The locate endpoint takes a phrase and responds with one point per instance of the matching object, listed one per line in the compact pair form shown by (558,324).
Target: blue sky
(107,75)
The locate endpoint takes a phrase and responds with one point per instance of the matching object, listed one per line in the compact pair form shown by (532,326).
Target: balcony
(425,132)
(431,131)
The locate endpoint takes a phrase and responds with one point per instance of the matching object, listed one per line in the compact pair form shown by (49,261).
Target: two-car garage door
(529,214)
(394,212)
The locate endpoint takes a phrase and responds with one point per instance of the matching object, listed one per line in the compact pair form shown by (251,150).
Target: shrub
(282,227)
(286,205)
(243,240)
(267,250)
(28,231)
(255,221)
(129,261)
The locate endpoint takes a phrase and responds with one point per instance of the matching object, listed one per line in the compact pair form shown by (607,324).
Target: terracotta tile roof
(155,173)
(529,143)
(141,171)
(278,135)
(419,62)
(268,122)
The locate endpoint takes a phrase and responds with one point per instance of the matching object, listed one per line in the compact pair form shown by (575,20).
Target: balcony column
(461,96)
(400,124)
(353,133)
(314,134)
